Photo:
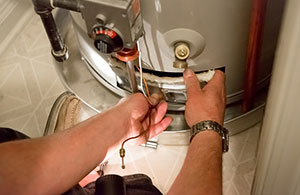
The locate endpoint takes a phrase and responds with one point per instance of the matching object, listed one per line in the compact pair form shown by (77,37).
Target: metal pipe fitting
(44,9)
(182,52)
(73,5)
(42,5)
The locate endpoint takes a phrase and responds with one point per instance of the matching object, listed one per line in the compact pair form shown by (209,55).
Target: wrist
(211,126)
(211,138)
(112,131)
(196,121)
(120,123)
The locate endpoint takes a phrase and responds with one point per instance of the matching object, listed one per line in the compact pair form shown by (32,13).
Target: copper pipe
(254,47)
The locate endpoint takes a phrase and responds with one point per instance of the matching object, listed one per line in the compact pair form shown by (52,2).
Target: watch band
(209,125)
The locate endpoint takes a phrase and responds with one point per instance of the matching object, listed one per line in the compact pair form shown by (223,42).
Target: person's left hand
(145,117)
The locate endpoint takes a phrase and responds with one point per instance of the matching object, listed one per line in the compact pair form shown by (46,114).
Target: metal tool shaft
(131,76)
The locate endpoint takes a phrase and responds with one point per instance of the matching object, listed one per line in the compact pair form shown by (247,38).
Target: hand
(207,103)
(140,113)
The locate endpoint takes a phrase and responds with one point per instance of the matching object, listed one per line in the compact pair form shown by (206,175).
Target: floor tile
(29,84)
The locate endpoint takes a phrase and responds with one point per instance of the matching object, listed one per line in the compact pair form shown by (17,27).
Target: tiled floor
(164,163)
(29,85)
(28,81)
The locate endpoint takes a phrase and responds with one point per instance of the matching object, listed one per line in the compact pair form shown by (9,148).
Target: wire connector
(122,155)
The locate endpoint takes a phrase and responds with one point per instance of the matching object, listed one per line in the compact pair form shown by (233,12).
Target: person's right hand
(207,103)
(141,116)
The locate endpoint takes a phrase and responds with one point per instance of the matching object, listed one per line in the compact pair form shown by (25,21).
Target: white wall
(278,166)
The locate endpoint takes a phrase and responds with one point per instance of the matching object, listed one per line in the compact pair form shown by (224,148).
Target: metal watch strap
(209,125)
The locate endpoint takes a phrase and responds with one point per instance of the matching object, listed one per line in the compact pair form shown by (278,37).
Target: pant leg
(140,184)
(137,184)
(7,134)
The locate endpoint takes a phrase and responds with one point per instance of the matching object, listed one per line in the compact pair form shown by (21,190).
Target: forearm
(55,163)
(202,169)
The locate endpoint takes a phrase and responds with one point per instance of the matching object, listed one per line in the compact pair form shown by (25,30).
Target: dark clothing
(137,184)
(7,134)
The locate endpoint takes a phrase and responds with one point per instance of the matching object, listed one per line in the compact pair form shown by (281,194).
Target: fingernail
(187,72)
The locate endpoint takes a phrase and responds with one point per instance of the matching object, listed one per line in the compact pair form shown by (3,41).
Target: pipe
(129,56)
(44,9)
(51,30)
(253,53)
(73,5)
(42,5)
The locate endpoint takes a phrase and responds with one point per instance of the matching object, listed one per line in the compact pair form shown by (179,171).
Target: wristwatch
(212,126)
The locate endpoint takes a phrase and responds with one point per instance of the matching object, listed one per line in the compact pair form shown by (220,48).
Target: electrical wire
(140,69)
(147,50)
(145,83)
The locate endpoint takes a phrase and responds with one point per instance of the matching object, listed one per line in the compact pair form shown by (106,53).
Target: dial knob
(106,40)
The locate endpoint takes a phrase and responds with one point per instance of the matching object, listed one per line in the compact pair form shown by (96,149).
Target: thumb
(191,82)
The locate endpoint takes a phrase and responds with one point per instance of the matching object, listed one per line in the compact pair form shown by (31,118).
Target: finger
(155,98)
(146,123)
(216,82)
(160,112)
(160,127)
(191,82)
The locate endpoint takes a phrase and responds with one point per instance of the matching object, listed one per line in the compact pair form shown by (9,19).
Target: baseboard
(16,16)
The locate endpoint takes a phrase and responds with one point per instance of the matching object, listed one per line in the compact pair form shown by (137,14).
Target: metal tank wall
(221,28)
(224,25)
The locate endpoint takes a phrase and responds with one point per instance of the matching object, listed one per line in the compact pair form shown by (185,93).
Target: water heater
(170,35)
